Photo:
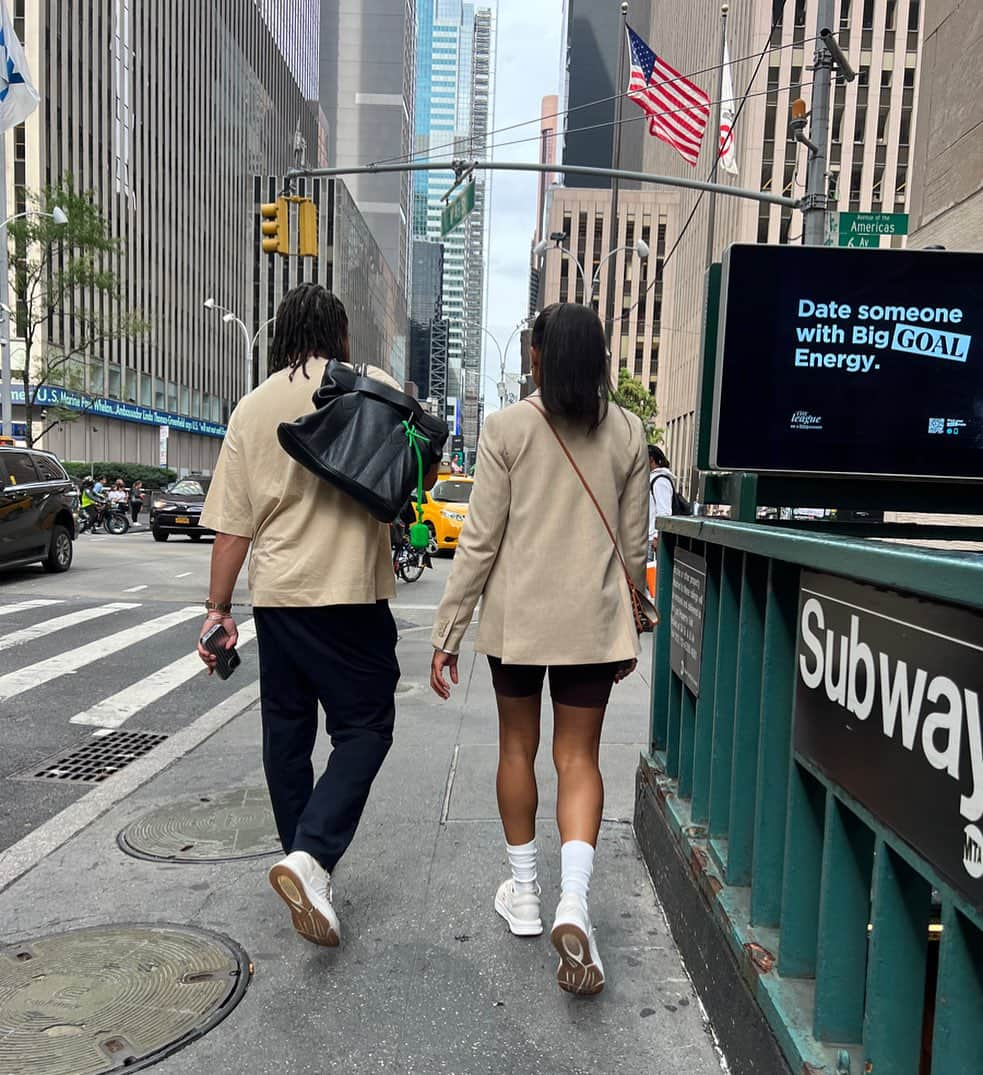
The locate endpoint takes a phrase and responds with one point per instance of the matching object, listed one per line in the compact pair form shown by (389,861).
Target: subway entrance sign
(866,229)
(455,211)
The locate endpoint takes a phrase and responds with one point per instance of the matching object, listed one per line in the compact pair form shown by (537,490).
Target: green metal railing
(861,956)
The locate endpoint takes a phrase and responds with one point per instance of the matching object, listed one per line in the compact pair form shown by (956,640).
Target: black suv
(37,510)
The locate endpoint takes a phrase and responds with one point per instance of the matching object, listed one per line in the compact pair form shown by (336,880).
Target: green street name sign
(457,210)
(866,229)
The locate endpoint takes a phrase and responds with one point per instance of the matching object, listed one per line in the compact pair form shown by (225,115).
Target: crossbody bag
(643,622)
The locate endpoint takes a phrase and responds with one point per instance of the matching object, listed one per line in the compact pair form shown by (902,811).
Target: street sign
(456,210)
(162,454)
(866,229)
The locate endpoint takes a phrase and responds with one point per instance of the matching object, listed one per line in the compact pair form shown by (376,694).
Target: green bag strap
(419,534)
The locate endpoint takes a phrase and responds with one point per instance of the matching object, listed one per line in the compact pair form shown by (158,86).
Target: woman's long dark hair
(574,368)
(310,321)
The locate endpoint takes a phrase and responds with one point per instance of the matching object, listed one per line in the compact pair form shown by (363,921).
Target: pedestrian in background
(662,486)
(136,499)
(556,600)
(320,575)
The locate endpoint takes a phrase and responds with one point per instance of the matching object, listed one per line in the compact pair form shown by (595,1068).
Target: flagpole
(613,231)
(712,211)
(6,325)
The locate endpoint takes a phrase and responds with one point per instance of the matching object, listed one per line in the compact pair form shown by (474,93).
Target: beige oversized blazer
(535,549)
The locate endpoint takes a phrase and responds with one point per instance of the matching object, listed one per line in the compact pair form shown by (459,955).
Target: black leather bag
(363,439)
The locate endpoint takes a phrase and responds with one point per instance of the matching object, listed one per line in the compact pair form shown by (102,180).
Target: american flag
(678,109)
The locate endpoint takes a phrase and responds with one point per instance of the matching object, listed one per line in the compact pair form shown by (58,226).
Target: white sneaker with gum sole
(580,970)
(520,909)
(305,886)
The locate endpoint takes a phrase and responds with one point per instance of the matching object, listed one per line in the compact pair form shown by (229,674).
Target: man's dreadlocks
(310,322)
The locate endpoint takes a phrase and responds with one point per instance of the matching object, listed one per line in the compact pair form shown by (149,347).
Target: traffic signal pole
(816,202)
(460,166)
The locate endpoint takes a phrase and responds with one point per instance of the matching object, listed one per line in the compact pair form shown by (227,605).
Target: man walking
(320,576)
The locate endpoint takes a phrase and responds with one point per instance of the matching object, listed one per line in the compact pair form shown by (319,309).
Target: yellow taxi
(445,508)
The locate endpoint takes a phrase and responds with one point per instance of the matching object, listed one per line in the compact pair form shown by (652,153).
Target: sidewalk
(427,979)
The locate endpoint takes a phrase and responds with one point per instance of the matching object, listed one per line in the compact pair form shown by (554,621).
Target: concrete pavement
(427,978)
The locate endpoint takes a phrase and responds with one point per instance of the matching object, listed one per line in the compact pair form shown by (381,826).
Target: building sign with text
(887,706)
(52,396)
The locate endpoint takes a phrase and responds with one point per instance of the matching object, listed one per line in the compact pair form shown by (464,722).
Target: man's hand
(230,629)
(440,662)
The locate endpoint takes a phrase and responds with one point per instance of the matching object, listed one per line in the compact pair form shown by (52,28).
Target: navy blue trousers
(343,656)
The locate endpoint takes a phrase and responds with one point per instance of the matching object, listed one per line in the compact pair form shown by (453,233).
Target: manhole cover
(113,998)
(212,828)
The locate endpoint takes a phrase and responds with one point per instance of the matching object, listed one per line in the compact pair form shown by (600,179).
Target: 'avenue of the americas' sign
(53,396)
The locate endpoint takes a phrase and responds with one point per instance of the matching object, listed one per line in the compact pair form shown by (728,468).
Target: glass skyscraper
(455,43)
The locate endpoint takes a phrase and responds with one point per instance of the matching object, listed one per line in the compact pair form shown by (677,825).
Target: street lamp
(60,217)
(639,247)
(503,359)
(230,318)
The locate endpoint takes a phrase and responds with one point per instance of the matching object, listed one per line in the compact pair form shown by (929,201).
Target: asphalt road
(110,644)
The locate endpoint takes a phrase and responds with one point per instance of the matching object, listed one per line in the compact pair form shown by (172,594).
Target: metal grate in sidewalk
(95,760)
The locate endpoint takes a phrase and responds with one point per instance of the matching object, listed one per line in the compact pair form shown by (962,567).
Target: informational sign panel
(888,706)
(457,209)
(834,361)
(162,454)
(865,229)
(689,580)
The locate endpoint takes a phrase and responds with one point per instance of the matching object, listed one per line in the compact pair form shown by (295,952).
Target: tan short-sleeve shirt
(312,544)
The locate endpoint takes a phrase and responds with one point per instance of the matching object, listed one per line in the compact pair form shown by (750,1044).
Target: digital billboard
(850,361)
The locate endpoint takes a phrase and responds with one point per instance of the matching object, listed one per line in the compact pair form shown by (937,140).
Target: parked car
(38,503)
(177,509)
(445,508)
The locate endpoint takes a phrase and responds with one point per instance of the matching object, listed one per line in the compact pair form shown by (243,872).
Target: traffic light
(275,227)
(307,226)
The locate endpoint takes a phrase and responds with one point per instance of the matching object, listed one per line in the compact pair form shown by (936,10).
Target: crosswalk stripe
(24,606)
(36,675)
(113,711)
(59,623)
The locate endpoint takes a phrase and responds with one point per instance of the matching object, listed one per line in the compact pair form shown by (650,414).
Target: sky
(528,68)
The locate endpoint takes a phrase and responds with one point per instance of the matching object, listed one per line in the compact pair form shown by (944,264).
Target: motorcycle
(113,518)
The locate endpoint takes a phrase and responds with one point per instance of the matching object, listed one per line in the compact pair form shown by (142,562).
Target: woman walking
(136,499)
(556,600)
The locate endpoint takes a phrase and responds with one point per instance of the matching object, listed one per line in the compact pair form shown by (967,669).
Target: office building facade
(455,62)
(590,47)
(549,123)
(166,125)
(428,329)
(871,136)
(947,169)
(367,82)
(584,217)
(350,263)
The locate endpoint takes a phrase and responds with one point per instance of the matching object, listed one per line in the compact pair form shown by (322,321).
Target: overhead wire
(461,143)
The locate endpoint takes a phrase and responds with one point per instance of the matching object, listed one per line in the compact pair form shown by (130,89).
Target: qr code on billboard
(936,425)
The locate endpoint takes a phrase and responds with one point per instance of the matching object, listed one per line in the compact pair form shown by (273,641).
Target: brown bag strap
(583,482)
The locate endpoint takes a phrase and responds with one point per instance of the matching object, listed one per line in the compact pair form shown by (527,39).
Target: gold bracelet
(218,606)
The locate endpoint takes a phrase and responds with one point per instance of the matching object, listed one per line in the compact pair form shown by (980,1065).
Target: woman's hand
(230,629)
(440,662)
(625,671)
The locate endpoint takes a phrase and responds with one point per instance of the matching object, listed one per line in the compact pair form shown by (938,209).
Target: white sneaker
(580,970)
(519,909)
(305,886)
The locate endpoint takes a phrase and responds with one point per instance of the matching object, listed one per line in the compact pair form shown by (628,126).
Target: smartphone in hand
(227,660)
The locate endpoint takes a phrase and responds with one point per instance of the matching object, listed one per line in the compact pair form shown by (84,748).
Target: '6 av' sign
(888,701)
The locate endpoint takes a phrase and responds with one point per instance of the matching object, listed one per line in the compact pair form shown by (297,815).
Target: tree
(631,395)
(68,302)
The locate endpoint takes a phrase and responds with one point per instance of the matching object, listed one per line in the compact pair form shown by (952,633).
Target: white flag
(728,108)
(18,97)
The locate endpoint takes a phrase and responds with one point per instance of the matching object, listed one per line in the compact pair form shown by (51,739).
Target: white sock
(577,864)
(522,859)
